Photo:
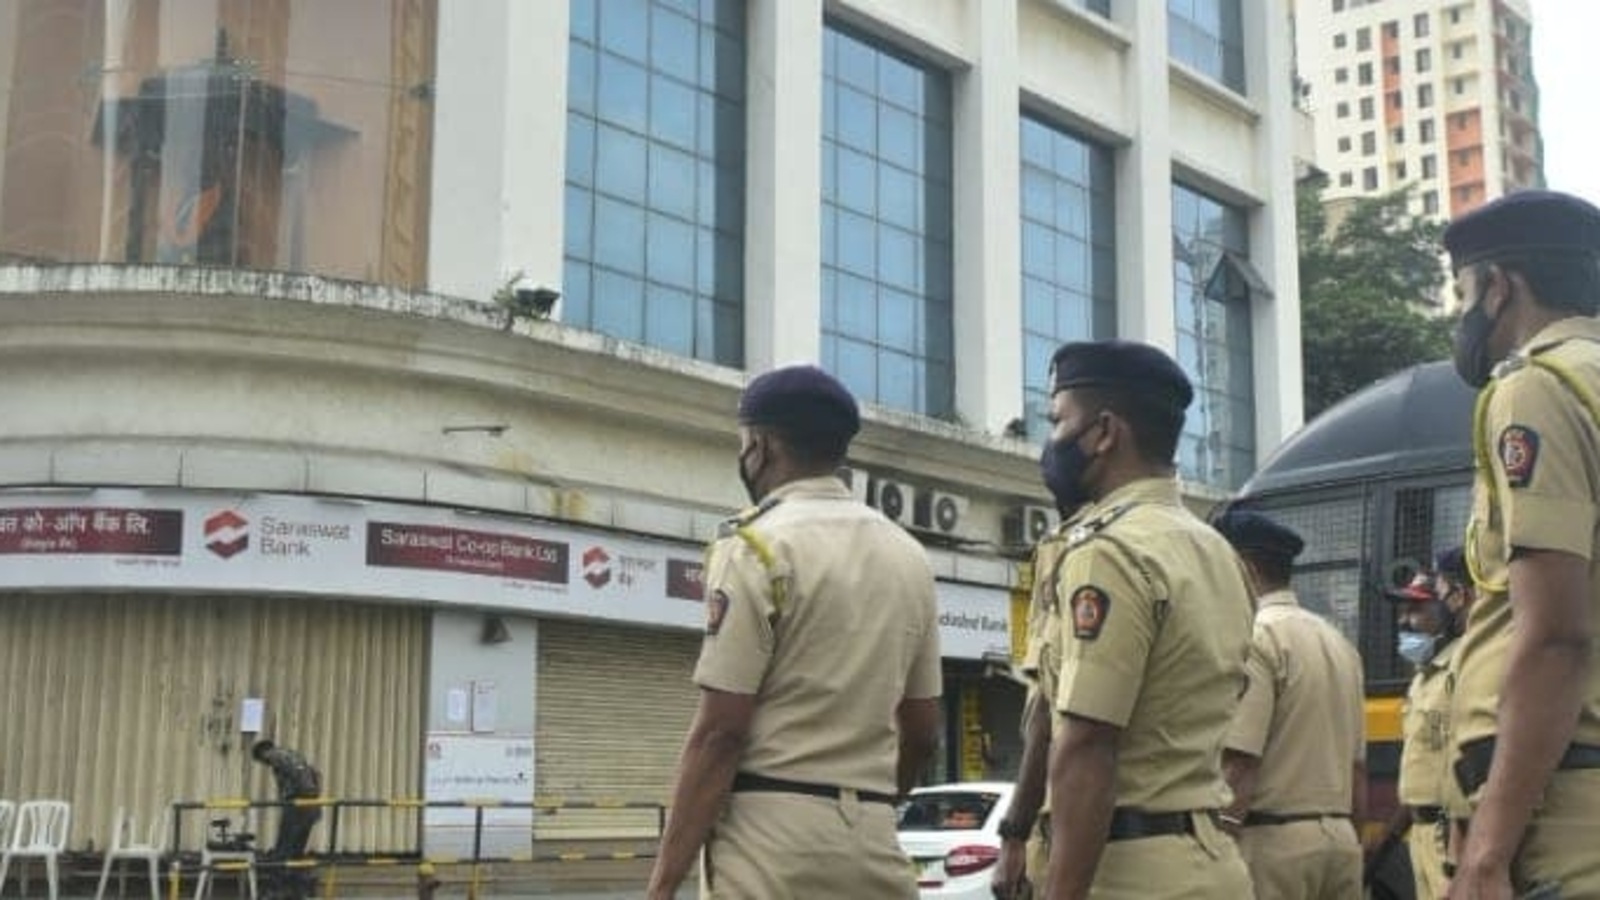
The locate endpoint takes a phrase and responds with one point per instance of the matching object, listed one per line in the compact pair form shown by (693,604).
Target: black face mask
(746,477)
(1471,353)
(1063,464)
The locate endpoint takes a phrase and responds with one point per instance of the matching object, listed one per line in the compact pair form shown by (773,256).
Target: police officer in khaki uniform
(1526,710)
(819,672)
(1024,848)
(1148,632)
(1295,755)
(1431,610)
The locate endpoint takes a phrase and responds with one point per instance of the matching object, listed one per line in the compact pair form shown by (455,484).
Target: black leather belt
(1132,824)
(1472,764)
(1428,815)
(1254,818)
(744,782)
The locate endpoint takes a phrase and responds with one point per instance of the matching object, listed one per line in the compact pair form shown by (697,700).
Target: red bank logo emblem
(596,567)
(227,533)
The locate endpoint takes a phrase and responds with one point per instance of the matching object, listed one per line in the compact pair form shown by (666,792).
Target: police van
(1377,485)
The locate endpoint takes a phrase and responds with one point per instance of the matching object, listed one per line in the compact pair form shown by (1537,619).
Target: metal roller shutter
(134,700)
(614,704)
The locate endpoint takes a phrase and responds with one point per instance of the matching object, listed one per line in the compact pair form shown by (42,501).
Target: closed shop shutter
(614,704)
(133,701)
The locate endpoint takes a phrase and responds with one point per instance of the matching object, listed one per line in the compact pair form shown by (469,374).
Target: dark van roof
(1417,420)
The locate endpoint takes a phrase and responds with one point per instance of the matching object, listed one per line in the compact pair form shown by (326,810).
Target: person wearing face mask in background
(819,672)
(1525,716)
(1431,610)
(1143,650)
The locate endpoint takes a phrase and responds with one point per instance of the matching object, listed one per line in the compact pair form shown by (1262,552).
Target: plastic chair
(8,811)
(123,847)
(41,833)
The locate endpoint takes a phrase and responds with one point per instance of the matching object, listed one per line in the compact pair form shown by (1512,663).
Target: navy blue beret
(800,397)
(1521,223)
(1252,532)
(1452,564)
(1127,365)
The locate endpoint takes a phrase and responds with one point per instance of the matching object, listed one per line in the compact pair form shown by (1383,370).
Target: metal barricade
(189,862)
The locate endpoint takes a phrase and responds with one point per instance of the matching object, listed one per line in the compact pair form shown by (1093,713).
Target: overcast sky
(1566,63)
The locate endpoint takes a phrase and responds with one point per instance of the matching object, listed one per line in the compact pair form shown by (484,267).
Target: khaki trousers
(1563,843)
(777,846)
(1314,859)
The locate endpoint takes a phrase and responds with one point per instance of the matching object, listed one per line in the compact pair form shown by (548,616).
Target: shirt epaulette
(730,526)
(1509,365)
(1080,533)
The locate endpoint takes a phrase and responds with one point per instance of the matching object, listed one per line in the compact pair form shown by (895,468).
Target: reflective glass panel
(656,95)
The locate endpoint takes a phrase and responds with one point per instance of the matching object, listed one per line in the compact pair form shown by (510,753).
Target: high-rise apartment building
(1438,94)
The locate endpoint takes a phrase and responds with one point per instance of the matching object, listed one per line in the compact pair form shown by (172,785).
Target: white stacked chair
(126,846)
(39,832)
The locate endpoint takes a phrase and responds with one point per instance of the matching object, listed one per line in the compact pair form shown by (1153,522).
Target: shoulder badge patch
(716,610)
(1519,453)
(1090,606)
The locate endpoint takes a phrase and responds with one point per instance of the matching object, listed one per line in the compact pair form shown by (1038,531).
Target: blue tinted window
(1068,253)
(886,246)
(1208,36)
(1215,343)
(655,174)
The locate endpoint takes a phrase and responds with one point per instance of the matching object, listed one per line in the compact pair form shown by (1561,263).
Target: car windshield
(947,811)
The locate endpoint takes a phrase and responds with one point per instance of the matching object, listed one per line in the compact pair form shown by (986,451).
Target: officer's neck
(1527,317)
(1119,473)
(787,472)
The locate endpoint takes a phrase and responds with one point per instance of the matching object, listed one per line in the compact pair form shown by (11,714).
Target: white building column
(1274,250)
(499,146)
(1145,308)
(988,263)
(783,184)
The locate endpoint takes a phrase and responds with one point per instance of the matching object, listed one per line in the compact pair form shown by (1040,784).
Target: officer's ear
(1496,287)
(1113,430)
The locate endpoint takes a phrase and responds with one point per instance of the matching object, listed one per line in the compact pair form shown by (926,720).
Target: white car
(952,834)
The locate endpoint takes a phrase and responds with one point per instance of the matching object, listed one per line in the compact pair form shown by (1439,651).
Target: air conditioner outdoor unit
(894,499)
(1028,523)
(940,511)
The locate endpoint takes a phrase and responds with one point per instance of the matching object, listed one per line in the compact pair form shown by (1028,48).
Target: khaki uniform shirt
(1041,665)
(1153,627)
(825,611)
(1302,713)
(1425,726)
(1540,490)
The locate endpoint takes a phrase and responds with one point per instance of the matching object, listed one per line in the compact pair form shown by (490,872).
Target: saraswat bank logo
(227,533)
(602,567)
(597,567)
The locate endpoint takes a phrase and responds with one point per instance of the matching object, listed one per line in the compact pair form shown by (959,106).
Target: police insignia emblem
(1090,605)
(1519,453)
(716,610)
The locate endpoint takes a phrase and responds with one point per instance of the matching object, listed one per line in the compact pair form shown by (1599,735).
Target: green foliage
(1367,273)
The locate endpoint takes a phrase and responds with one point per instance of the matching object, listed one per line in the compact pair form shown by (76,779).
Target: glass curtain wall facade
(1068,253)
(1208,36)
(886,226)
(1215,343)
(293,136)
(655,174)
